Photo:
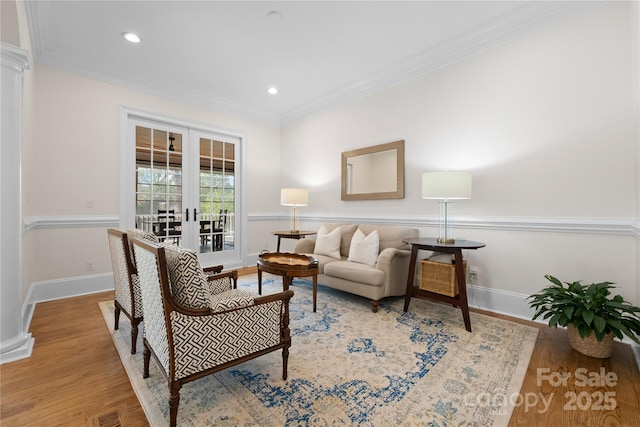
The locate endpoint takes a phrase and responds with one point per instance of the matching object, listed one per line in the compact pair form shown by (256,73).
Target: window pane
(159,182)
(216,195)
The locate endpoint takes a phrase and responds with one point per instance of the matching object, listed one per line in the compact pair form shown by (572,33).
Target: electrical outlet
(90,265)
(89,204)
(473,274)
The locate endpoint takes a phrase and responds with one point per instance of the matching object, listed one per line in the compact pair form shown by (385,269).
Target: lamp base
(446,208)
(293,231)
(445,240)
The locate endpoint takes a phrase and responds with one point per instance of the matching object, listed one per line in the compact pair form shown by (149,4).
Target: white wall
(548,126)
(70,152)
(74,155)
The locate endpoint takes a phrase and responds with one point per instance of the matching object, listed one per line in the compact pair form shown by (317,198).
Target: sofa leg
(374,305)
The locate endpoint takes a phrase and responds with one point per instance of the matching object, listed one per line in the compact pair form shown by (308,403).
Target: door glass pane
(217,196)
(159,183)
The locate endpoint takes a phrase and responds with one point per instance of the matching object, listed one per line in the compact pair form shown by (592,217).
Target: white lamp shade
(446,185)
(294,197)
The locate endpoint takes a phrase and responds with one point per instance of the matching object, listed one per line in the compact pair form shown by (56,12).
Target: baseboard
(49,290)
(636,352)
(497,301)
(69,287)
(515,305)
(22,350)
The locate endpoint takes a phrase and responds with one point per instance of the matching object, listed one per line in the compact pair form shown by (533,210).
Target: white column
(15,342)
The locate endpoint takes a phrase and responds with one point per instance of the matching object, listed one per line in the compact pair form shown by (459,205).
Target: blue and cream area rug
(351,367)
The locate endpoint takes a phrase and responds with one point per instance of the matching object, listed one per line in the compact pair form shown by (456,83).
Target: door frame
(230,259)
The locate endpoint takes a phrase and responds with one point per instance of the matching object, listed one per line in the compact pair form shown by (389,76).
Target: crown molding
(155,88)
(14,57)
(41,29)
(529,17)
(532,15)
(39,17)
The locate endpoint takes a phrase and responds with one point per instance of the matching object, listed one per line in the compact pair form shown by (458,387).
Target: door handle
(195,214)
(187,215)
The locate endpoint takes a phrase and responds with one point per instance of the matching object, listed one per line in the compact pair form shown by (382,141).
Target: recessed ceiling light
(272,90)
(133,38)
(274,15)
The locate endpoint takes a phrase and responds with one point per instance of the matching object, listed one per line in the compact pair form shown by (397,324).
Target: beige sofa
(387,276)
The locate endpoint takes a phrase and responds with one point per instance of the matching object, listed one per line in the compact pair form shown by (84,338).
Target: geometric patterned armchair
(197,325)
(127,297)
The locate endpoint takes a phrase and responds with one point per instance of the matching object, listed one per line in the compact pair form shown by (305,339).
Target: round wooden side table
(288,265)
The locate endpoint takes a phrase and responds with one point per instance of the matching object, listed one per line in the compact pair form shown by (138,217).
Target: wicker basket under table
(439,277)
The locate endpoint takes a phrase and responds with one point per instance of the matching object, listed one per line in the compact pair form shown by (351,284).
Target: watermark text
(583,400)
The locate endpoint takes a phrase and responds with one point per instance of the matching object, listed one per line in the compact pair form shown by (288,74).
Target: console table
(292,235)
(431,244)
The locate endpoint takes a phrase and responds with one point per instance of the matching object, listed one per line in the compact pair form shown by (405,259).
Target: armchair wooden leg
(374,305)
(286,336)
(147,356)
(174,401)
(285,363)
(134,334)
(116,316)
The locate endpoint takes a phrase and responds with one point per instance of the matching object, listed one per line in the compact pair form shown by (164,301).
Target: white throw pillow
(364,249)
(328,243)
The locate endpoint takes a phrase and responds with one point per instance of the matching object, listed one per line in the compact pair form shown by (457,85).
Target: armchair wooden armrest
(214,269)
(219,278)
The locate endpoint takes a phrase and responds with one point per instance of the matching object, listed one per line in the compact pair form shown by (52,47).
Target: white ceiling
(225,55)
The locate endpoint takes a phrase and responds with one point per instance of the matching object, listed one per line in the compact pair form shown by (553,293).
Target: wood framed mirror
(374,173)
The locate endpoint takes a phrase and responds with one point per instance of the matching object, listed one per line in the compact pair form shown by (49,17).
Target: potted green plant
(591,316)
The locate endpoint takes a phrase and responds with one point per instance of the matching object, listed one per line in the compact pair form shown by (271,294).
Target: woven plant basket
(589,345)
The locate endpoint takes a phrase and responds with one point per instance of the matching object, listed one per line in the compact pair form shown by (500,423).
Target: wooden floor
(74,378)
(565,388)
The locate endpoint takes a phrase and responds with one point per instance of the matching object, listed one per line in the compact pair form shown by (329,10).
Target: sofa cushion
(347,231)
(390,236)
(364,249)
(228,300)
(328,242)
(322,261)
(355,272)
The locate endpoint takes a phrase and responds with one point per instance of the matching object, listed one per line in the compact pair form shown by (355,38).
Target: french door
(184,187)
(214,192)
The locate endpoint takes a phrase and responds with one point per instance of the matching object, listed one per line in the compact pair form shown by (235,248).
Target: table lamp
(446,186)
(294,197)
